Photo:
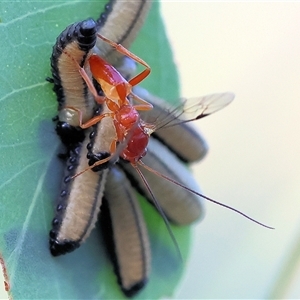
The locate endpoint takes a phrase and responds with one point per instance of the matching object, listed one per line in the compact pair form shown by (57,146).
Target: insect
(116,91)
(133,132)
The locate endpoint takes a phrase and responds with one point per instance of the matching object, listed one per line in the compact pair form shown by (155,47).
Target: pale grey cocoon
(82,203)
(130,234)
(180,206)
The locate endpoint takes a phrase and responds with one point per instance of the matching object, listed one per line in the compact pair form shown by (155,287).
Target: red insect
(116,90)
(132,132)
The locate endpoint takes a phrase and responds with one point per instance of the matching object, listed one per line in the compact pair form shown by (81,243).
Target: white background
(253,50)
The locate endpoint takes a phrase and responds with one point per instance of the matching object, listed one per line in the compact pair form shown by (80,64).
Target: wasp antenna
(158,207)
(203,196)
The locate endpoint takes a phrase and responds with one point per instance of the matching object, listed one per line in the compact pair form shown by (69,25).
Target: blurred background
(251,49)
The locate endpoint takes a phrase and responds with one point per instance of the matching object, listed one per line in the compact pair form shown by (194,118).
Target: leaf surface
(31,172)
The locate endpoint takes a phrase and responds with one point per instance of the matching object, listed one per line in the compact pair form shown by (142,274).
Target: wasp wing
(195,108)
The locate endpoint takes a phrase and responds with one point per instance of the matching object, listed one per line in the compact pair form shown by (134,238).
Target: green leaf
(31,172)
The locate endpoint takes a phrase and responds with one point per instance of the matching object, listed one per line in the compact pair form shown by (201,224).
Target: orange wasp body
(116,91)
(132,132)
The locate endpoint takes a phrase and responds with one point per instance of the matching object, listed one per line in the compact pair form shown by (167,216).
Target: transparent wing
(195,109)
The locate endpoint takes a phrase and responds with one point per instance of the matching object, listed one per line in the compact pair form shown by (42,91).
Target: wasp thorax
(127,116)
